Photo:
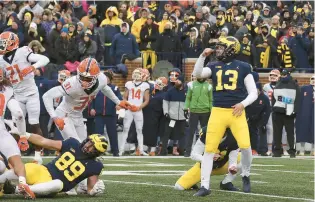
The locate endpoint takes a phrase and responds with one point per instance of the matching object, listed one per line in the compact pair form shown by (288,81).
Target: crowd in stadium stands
(273,35)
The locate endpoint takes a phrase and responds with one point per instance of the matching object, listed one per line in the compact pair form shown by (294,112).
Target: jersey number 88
(72,168)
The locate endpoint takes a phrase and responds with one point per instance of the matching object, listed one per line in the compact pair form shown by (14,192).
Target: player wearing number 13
(78,91)
(233,90)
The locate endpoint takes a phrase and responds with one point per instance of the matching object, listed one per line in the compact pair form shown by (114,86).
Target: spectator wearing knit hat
(67,49)
(52,38)
(31,34)
(27,19)
(32,6)
(47,21)
(245,54)
(192,45)
(87,47)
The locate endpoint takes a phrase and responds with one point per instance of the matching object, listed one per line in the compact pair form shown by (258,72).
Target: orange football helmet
(88,70)
(145,75)
(63,75)
(8,42)
(160,83)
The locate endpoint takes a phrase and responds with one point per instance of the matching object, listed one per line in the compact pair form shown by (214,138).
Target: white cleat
(301,153)
(285,153)
(269,153)
(144,154)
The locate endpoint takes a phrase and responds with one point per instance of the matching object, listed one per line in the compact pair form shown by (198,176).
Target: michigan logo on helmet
(227,48)
(88,71)
(98,142)
(8,42)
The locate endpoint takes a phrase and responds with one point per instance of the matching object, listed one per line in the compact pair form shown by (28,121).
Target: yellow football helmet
(100,142)
(227,48)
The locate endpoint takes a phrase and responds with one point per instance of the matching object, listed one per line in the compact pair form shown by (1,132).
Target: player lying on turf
(226,161)
(76,162)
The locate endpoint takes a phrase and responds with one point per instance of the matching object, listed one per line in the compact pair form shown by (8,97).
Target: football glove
(23,143)
(124,104)
(98,188)
(27,71)
(60,123)
(134,108)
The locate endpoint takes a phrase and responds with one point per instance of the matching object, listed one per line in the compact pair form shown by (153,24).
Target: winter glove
(134,108)
(186,114)
(124,104)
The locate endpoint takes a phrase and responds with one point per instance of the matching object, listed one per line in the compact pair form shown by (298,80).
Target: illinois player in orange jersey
(8,145)
(77,92)
(137,94)
(19,65)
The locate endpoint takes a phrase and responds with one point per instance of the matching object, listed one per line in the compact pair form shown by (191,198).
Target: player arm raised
(199,70)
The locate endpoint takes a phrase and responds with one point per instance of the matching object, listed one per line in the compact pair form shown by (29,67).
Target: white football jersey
(5,96)
(77,99)
(136,92)
(12,67)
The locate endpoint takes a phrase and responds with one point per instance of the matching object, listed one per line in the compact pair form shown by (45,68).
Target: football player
(76,162)
(8,146)
(19,65)
(77,92)
(225,160)
(233,89)
(137,94)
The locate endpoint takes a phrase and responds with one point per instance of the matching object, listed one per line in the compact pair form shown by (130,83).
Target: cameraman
(285,102)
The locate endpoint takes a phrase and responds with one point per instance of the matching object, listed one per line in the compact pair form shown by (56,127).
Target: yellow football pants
(36,174)
(192,176)
(220,120)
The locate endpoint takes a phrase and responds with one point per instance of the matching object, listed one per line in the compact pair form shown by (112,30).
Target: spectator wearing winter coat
(204,36)
(53,36)
(300,45)
(305,119)
(31,34)
(87,47)
(285,105)
(284,53)
(66,48)
(246,49)
(124,45)
(258,114)
(32,6)
(198,106)
(162,23)
(97,38)
(311,52)
(104,111)
(173,109)
(47,21)
(192,45)
(90,17)
(27,19)
(111,25)
(265,49)
(18,30)
(148,35)
(37,47)
(266,13)
(137,25)
(78,9)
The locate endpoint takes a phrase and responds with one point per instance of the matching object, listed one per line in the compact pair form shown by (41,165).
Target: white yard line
(253,194)
(283,171)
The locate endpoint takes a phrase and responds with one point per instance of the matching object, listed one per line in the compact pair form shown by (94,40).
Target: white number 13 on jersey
(233,76)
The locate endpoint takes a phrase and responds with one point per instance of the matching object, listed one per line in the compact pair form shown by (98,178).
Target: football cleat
(228,187)
(269,153)
(194,187)
(25,190)
(285,153)
(202,192)
(301,153)
(246,184)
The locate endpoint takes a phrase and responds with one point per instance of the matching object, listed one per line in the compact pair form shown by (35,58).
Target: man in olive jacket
(199,103)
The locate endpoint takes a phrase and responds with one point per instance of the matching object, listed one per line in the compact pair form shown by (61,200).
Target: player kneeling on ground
(76,162)
(226,161)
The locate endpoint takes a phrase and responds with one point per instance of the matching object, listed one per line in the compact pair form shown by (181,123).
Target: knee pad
(178,187)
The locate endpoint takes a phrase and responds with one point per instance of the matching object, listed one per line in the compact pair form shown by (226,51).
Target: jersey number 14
(233,76)
(71,168)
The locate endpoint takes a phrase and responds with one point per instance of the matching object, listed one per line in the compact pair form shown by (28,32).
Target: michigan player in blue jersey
(76,162)
(226,161)
(233,89)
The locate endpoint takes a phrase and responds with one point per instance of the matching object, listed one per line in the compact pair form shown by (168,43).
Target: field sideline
(152,178)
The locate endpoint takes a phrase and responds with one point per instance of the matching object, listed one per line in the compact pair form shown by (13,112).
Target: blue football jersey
(72,165)
(228,82)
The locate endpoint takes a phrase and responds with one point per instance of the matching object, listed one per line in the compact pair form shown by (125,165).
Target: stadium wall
(303,78)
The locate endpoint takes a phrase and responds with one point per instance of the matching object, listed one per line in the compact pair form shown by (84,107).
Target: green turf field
(152,179)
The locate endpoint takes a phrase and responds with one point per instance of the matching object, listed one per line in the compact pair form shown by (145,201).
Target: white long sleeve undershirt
(40,60)
(48,99)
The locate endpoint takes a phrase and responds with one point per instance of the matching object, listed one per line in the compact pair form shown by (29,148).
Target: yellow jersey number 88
(72,168)
(233,76)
